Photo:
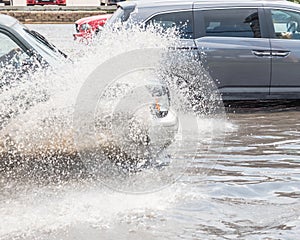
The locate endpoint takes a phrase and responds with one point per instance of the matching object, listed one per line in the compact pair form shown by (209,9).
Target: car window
(286,24)
(9,50)
(232,23)
(116,16)
(181,21)
(6,44)
(120,15)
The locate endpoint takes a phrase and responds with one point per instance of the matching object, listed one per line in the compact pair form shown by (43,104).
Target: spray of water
(37,128)
(40,155)
(37,113)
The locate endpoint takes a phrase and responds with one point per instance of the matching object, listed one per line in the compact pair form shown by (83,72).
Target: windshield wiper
(42,39)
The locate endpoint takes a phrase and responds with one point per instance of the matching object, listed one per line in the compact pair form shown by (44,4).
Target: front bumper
(149,136)
(82,35)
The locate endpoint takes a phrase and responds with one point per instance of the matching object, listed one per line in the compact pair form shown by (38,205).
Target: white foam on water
(49,209)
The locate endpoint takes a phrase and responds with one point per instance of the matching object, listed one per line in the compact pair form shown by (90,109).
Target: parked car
(46,2)
(88,26)
(110,2)
(21,46)
(250,48)
(6,2)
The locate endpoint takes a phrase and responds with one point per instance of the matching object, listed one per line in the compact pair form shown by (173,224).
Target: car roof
(7,21)
(237,3)
(161,3)
(148,8)
(148,3)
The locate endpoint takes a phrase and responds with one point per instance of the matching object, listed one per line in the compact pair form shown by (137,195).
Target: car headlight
(85,27)
(161,98)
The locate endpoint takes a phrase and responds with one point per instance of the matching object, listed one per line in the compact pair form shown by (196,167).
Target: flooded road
(251,189)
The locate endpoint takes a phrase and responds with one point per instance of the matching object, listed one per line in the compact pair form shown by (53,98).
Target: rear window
(181,21)
(121,15)
(232,23)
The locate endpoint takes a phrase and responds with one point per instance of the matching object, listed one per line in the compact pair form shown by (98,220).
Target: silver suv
(251,48)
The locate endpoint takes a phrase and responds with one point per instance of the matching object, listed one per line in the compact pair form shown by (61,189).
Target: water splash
(37,145)
(37,113)
(38,125)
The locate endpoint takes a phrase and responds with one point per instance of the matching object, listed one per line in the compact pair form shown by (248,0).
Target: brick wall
(69,2)
(50,16)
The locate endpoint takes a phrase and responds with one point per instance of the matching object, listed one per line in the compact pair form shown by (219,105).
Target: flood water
(250,191)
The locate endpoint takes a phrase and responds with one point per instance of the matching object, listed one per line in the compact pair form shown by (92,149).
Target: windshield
(47,50)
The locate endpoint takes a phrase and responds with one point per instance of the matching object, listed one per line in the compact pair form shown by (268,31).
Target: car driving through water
(22,48)
(250,48)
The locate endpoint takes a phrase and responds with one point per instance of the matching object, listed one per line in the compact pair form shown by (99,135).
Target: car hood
(93,18)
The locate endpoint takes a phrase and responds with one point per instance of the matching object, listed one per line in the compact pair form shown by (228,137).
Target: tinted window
(232,23)
(181,21)
(286,24)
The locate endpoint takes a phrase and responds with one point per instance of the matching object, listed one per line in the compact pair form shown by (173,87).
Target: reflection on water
(255,184)
(251,192)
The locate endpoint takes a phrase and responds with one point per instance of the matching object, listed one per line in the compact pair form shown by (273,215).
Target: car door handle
(261,53)
(280,53)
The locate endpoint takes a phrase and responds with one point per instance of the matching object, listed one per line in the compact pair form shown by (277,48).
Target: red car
(46,2)
(87,27)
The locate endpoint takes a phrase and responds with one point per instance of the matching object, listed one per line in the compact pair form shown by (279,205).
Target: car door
(235,50)
(285,46)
